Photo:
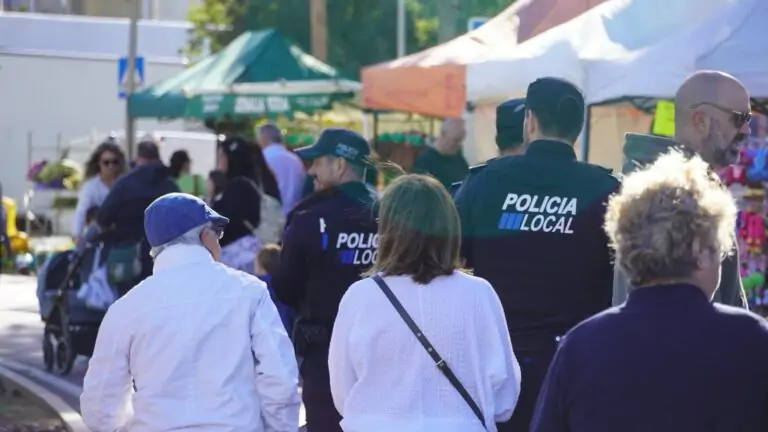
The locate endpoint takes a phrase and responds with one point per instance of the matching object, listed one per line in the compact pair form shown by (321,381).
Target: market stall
(604,51)
(259,74)
(432,81)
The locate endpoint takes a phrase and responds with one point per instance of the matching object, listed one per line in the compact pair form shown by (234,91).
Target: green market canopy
(258,74)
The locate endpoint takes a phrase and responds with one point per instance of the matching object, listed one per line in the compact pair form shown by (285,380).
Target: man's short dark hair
(510,117)
(148,150)
(558,106)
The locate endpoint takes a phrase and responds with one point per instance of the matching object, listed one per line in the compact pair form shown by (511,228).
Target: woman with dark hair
(381,378)
(249,200)
(181,172)
(215,184)
(105,165)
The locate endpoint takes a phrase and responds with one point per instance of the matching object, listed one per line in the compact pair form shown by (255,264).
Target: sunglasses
(738,118)
(110,162)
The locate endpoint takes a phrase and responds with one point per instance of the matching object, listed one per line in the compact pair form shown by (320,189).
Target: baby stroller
(70,325)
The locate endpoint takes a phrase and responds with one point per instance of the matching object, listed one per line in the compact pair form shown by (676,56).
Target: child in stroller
(71,325)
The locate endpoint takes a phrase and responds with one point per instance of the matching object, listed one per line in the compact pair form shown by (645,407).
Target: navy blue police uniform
(533,227)
(330,240)
(510,116)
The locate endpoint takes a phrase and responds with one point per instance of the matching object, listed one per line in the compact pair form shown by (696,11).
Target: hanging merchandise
(747,181)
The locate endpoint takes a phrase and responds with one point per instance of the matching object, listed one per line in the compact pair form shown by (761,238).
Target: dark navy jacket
(330,239)
(533,227)
(122,213)
(667,360)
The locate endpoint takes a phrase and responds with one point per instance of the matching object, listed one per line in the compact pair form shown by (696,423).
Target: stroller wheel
(65,356)
(48,352)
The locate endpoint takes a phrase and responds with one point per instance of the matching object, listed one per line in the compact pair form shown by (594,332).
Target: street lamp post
(133,33)
(400,28)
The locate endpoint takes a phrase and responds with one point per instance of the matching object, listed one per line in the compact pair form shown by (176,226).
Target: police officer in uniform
(510,116)
(532,226)
(330,239)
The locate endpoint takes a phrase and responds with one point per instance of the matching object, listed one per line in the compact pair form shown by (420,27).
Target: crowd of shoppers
(120,218)
(418,313)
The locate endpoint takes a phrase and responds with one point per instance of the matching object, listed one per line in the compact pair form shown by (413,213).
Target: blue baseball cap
(174,214)
(338,142)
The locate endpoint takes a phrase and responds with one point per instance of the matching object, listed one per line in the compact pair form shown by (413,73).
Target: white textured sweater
(382,379)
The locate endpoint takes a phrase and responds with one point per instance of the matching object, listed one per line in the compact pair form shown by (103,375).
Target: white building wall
(58,82)
(45,100)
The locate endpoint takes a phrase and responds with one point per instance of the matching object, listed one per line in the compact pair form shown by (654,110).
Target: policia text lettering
(357,248)
(537,213)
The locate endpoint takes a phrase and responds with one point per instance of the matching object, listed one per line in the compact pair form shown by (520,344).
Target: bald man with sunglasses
(712,115)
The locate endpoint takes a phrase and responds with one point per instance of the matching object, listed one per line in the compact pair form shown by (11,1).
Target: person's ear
(531,123)
(700,121)
(340,165)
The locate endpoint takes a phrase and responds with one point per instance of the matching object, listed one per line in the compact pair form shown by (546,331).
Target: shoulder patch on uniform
(477,168)
(602,168)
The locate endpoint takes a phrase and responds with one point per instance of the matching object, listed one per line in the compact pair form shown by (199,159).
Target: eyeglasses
(110,162)
(218,232)
(738,118)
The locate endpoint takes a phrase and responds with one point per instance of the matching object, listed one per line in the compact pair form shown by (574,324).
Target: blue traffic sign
(475,22)
(122,75)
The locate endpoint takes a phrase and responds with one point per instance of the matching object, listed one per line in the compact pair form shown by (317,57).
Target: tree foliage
(360,32)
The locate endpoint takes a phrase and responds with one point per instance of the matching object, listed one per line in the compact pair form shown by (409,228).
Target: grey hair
(191,237)
(272,132)
(665,215)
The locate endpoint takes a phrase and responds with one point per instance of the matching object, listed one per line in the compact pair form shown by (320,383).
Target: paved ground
(20,340)
(20,413)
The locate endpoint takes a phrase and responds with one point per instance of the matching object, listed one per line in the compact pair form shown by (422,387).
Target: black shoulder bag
(439,362)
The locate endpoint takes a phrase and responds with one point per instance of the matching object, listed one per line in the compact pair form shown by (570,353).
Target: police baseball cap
(338,142)
(174,214)
(510,117)
(556,99)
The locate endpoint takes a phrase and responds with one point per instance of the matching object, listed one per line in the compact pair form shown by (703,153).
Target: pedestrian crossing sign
(122,75)
(475,23)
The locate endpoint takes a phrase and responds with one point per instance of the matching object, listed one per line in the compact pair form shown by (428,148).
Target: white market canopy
(730,40)
(599,49)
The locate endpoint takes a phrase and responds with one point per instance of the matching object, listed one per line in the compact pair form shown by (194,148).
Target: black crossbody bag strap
(439,362)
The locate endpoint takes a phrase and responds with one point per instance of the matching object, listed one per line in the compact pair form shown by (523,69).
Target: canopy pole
(133,30)
(400,28)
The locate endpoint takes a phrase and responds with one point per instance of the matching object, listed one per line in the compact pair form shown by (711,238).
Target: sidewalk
(18,413)
(28,407)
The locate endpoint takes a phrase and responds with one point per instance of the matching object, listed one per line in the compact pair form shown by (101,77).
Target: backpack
(270,229)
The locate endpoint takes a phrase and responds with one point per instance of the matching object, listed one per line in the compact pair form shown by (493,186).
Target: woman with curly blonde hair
(668,359)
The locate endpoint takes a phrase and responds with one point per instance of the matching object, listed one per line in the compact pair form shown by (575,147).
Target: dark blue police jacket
(533,227)
(668,360)
(330,239)
(122,212)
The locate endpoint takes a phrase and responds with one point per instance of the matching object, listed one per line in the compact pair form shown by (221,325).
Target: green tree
(360,32)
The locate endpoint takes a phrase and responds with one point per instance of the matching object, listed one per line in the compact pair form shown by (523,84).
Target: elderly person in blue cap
(197,345)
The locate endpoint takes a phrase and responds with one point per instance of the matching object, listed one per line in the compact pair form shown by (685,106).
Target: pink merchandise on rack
(748,181)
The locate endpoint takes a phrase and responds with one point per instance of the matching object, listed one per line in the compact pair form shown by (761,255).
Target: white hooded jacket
(197,346)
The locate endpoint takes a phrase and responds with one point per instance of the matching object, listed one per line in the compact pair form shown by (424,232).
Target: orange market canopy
(433,82)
